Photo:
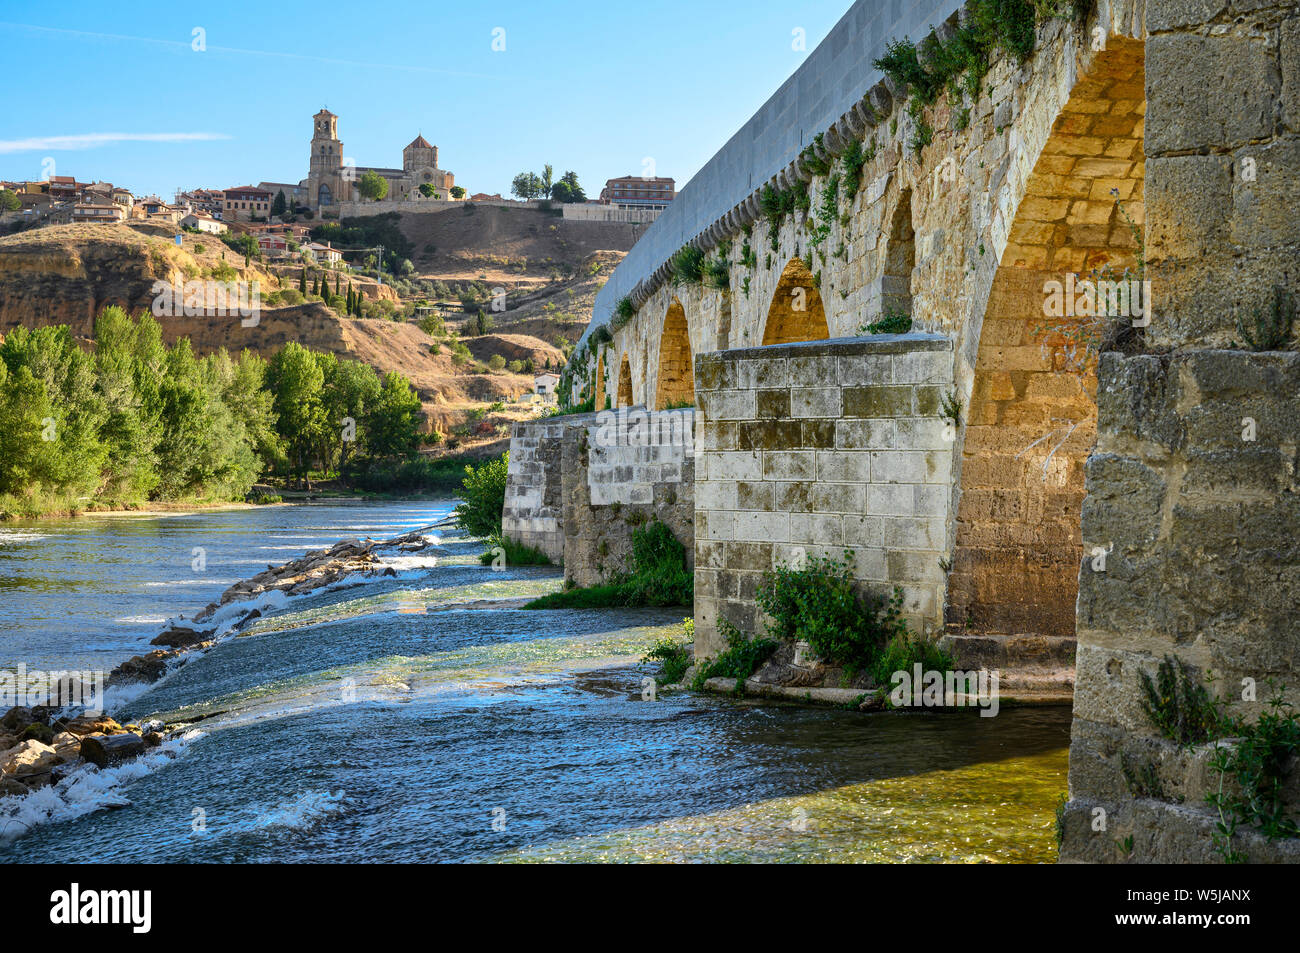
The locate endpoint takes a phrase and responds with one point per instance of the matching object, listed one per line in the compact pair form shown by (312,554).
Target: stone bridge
(1028,474)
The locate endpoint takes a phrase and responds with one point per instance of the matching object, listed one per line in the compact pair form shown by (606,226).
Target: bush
(484,494)
(902,652)
(673,658)
(740,660)
(497,362)
(659,577)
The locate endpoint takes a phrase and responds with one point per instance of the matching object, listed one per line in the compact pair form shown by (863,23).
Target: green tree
(302,282)
(393,422)
(350,390)
(279,205)
(126,380)
(9,201)
(297,384)
(547,178)
(526,185)
(373,186)
(457,192)
(484,494)
(568,189)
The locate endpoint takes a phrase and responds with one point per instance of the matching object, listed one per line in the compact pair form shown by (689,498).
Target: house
(484,197)
(544,385)
(293,194)
(273,246)
(241,204)
(201,221)
(123,197)
(322,253)
(97,212)
(65,188)
(637,191)
(209,201)
(153,209)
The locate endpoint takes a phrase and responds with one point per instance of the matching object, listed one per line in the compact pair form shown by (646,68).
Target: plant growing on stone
(950,406)
(717,274)
(687,265)
(1178,704)
(624,311)
(819,603)
(739,660)
(1259,760)
(1271,330)
(811,162)
(891,322)
(852,161)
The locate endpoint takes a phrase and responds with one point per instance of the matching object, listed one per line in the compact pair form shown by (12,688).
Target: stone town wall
(818,449)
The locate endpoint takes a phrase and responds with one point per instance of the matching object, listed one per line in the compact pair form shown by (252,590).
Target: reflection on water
(381,723)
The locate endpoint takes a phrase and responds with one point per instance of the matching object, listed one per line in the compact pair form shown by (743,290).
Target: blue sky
(597,87)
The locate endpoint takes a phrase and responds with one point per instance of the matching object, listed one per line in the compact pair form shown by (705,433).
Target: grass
(658,577)
(513,553)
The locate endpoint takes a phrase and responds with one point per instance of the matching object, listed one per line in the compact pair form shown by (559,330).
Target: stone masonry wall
(620,470)
(818,448)
(1199,517)
(533,513)
(579,485)
(1192,490)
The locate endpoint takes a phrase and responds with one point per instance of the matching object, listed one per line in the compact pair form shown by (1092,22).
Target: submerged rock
(180,636)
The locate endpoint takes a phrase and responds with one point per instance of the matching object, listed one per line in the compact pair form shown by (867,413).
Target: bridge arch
(676,383)
(796,312)
(1032,416)
(624,383)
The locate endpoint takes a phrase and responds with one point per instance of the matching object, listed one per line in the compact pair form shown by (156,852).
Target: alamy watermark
(1123,298)
(23,689)
(931,688)
(208,298)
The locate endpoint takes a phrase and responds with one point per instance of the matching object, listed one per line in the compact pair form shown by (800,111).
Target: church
(330,181)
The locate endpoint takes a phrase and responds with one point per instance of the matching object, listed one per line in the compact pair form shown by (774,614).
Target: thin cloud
(90,140)
(278,54)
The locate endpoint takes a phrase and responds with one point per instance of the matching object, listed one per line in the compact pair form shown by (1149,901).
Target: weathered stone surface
(1209,91)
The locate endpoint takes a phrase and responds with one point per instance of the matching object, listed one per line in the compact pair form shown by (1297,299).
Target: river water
(391,721)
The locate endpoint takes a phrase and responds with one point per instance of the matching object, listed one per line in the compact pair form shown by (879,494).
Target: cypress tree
(302,281)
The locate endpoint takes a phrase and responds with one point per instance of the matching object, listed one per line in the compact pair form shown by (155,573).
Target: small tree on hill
(373,186)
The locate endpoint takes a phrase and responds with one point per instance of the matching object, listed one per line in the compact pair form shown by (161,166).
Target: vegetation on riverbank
(134,421)
(818,603)
(659,577)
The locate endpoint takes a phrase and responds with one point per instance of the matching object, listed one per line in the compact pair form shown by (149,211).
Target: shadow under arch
(624,397)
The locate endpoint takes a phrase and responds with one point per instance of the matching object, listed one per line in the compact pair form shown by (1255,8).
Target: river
(391,722)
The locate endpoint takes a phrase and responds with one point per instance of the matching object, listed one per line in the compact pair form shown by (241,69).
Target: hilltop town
(476,298)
